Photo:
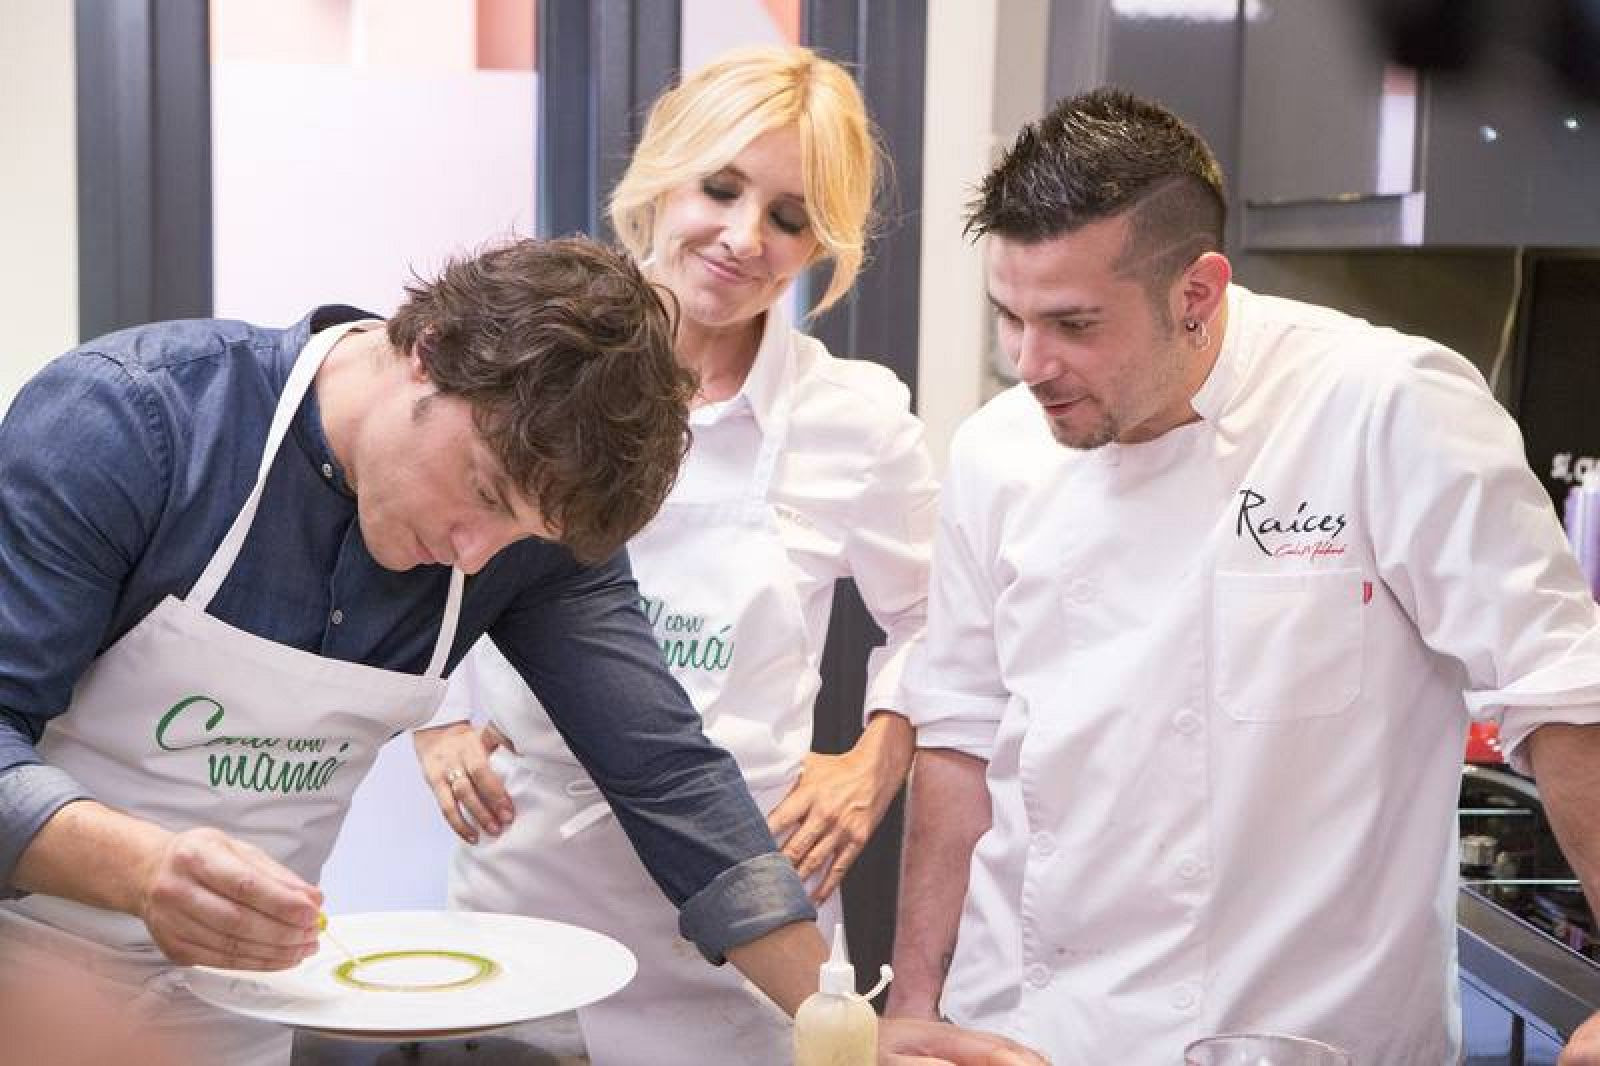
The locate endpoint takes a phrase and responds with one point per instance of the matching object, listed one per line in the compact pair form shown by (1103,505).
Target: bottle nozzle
(838,977)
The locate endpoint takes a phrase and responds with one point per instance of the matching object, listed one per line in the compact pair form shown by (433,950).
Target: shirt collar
(1215,394)
(763,387)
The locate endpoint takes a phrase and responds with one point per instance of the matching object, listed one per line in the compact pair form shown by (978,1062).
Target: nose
(741,230)
(1035,361)
(474,544)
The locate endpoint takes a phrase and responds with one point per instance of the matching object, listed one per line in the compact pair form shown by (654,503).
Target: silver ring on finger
(454,775)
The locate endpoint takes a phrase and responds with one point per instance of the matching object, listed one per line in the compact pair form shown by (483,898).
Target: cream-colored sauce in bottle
(835,1026)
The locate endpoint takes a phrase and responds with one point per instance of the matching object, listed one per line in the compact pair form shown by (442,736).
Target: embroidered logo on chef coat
(1280,532)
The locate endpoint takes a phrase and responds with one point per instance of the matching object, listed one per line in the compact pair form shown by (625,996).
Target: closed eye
(720,190)
(791,220)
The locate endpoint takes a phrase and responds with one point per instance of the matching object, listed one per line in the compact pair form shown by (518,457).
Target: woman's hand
(455,760)
(827,818)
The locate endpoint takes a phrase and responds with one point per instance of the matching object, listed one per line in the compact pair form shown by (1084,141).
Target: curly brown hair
(564,352)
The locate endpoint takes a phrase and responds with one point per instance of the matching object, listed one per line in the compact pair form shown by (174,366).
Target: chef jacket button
(1038,975)
(1184,997)
(1081,590)
(327,471)
(1044,842)
(338,617)
(1186,722)
(1190,868)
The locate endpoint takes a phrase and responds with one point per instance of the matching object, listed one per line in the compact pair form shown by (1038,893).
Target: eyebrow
(1069,311)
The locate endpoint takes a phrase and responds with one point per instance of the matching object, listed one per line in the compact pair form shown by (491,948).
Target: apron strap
(447,624)
(294,390)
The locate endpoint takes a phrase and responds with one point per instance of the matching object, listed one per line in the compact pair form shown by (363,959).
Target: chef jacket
(1222,680)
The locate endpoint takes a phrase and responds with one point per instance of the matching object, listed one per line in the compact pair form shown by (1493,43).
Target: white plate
(543,968)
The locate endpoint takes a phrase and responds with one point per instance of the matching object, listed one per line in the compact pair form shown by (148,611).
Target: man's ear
(1203,286)
(416,358)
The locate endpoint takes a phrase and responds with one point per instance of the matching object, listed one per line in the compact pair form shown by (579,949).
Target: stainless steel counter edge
(1530,975)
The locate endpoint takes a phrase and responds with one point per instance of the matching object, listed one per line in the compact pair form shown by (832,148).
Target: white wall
(970,115)
(38,188)
(335,183)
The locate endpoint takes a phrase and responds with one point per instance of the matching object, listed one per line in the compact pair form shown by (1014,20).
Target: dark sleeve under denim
(121,465)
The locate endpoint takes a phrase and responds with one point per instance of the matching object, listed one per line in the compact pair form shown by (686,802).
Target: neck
(721,356)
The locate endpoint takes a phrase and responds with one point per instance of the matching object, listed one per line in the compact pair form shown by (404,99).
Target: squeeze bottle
(835,1026)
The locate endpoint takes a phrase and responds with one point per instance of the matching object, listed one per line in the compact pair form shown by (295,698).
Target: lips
(723,270)
(1060,405)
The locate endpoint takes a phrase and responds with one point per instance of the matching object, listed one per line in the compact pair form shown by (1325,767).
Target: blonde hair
(697,127)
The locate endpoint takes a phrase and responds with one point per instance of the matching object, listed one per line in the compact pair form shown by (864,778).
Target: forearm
(93,854)
(887,743)
(1566,763)
(947,812)
(783,963)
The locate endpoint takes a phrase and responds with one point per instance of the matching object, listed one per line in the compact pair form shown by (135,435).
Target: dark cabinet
(1341,148)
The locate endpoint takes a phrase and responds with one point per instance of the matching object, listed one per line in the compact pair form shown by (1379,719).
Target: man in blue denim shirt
(124,462)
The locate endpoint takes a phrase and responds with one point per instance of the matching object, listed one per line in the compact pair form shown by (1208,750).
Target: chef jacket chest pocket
(1287,646)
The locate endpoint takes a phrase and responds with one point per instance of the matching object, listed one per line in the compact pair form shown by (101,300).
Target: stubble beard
(1085,439)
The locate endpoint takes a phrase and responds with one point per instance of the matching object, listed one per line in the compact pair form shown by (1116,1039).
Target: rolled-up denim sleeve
(743,903)
(30,794)
(581,642)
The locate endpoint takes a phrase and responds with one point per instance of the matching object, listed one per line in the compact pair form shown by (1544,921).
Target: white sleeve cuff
(885,666)
(969,738)
(1517,724)
(946,719)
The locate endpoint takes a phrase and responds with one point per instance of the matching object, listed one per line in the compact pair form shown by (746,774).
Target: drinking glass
(1262,1049)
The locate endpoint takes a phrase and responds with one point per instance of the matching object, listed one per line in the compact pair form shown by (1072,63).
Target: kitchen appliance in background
(1556,372)
(1583,526)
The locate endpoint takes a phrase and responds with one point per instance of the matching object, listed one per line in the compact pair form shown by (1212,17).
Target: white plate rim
(357,1014)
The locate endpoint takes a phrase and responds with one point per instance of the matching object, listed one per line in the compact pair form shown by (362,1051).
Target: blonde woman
(804,468)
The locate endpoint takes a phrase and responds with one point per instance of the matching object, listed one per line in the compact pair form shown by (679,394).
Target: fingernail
(506,814)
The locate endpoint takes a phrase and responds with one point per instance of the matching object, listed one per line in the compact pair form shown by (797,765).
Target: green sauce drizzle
(483,970)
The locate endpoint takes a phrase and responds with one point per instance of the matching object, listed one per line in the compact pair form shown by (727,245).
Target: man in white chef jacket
(1217,590)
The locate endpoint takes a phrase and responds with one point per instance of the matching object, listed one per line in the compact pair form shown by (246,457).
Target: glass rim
(1286,1038)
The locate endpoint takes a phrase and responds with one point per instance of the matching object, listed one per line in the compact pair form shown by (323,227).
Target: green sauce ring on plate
(484,970)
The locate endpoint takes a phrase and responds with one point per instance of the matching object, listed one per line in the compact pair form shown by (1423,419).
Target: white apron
(187,722)
(723,599)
